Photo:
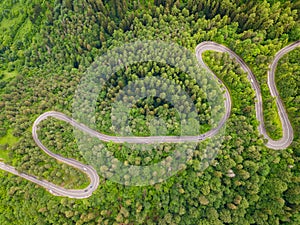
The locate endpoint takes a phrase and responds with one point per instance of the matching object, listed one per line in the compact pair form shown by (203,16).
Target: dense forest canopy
(47,46)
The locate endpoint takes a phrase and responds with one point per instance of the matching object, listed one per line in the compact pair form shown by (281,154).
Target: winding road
(287,136)
(283,143)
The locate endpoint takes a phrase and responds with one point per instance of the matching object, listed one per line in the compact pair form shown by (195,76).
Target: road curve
(284,142)
(287,129)
(57,190)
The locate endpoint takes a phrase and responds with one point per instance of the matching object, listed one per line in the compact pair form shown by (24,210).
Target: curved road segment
(287,129)
(283,143)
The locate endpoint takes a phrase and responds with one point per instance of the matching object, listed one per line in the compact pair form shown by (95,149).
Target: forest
(47,46)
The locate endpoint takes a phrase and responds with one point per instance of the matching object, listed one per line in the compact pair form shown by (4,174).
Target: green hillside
(47,47)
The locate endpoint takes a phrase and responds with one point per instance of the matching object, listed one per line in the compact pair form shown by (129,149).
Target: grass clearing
(24,29)
(9,139)
(8,75)
(3,155)
(7,23)
(11,23)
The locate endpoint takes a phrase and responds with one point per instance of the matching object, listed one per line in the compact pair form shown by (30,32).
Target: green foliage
(45,48)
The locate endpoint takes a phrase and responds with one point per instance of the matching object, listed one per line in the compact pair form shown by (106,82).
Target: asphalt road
(284,142)
(57,190)
(287,129)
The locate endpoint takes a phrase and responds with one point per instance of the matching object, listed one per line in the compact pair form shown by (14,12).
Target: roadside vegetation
(45,48)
